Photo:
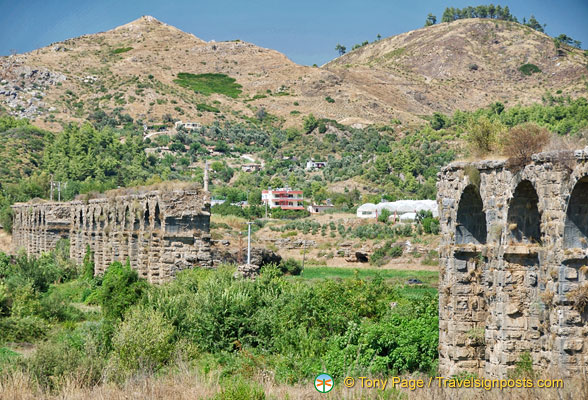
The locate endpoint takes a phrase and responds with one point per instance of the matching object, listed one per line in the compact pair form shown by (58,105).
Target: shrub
(329,99)
(310,123)
(143,341)
(529,69)
(579,297)
(70,356)
(121,288)
(206,107)
(26,329)
(382,255)
(523,141)
(240,389)
(439,121)
(405,340)
(473,67)
(483,135)
(290,267)
(384,215)
(121,50)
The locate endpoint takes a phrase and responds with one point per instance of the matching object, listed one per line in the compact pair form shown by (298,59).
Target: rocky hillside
(137,68)
(464,65)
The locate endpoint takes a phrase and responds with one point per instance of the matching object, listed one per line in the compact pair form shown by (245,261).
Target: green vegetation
(206,107)
(383,254)
(483,11)
(565,39)
(401,162)
(339,48)
(529,69)
(209,321)
(209,83)
(392,275)
(21,148)
(431,20)
(121,50)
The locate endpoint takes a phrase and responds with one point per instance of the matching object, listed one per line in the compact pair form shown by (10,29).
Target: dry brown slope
(464,65)
(415,73)
(90,74)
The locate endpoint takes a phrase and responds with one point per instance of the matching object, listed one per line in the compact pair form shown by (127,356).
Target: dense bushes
(297,329)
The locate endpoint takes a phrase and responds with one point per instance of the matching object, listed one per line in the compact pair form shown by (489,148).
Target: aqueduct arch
(471,220)
(576,228)
(510,292)
(523,219)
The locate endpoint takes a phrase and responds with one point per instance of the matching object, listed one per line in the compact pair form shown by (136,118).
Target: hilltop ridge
(133,69)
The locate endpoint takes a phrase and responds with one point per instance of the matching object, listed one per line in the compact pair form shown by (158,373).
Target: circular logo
(323,383)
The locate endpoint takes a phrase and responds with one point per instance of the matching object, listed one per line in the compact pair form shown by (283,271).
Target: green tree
(310,123)
(340,49)
(431,20)
(534,24)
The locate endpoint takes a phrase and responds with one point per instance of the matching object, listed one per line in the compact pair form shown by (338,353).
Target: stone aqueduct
(514,263)
(159,232)
(514,249)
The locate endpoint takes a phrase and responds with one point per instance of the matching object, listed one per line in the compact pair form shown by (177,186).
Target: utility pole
(59,191)
(303,252)
(249,242)
(240,255)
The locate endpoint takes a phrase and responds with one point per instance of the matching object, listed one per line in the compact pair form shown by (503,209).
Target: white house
(284,198)
(188,125)
(310,165)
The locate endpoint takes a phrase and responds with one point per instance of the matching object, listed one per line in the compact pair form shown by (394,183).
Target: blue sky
(306,31)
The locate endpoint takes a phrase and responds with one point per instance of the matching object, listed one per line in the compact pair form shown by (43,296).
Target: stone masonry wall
(514,252)
(160,232)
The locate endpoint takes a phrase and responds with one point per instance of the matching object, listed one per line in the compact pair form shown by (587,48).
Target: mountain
(143,69)
(464,65)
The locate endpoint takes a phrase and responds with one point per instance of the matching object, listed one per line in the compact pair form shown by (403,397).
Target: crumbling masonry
(514,265)
(159,232)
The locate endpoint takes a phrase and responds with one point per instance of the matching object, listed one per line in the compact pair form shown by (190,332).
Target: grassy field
(210,83)
(393,276)
(320,272)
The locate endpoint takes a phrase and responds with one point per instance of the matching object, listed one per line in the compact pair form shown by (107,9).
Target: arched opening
(157,217)
(576,229)
(524,220)
(471,219)
(146,221)
(127,218)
